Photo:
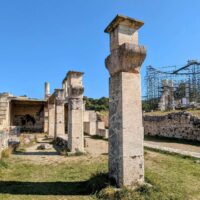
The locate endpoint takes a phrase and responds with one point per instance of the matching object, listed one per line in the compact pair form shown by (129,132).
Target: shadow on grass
(96,182)
(43,188)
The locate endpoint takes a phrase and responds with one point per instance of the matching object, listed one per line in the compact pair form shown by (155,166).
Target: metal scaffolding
(186,83)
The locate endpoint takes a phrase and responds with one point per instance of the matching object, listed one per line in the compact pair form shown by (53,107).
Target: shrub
(110,193)
(97,182)
(107,194)
(96,104)
(6,153)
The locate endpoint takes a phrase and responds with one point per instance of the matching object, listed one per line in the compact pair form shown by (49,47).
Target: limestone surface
(126,161)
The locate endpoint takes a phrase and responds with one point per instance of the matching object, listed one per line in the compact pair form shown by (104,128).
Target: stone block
(90,116)
(103,133)
(90,128)
(100,125)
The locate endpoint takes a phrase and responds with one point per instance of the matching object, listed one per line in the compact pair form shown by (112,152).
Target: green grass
(195,112)
(171,177)
(20,179)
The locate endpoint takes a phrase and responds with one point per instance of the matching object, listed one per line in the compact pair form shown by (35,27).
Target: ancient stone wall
(180,125)
(30,118)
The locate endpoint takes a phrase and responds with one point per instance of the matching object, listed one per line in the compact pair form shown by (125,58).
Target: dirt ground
(94,148)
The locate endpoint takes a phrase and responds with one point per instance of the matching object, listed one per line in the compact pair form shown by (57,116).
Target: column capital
(126,58)
(126,54)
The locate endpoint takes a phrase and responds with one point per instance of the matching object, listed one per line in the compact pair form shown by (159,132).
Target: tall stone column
(46,90)
(46,119)
(75,112)
(59,113)
(51,121)
(126,161)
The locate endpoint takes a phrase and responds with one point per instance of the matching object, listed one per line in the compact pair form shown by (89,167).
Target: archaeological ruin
(62,115)
(126,160)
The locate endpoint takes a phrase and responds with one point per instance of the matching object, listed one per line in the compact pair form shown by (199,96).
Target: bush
(110,193)
(107,194)
(6,153)
(96,104)
(97,182)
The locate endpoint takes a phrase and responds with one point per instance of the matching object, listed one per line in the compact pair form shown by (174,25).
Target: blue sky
(40,40)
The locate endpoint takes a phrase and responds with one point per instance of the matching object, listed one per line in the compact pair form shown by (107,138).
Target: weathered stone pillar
(167,101)
(51,121)
(46,119)
(126,161)
(59,113)
(65,87)
(75,111)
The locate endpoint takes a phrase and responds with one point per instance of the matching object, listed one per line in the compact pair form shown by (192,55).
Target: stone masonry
(126,161)
(167,101)
(181,125)
(93,125)
(59,113)
(75,111)
(56,114)
(51,121)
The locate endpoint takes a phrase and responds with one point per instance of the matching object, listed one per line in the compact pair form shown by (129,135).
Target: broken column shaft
(126,161)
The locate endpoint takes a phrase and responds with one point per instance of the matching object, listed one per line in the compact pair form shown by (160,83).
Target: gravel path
(183,149)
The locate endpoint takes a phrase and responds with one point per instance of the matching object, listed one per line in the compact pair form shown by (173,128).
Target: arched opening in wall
(27,115)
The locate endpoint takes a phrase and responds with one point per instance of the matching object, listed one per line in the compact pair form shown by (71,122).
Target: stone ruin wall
(181,125)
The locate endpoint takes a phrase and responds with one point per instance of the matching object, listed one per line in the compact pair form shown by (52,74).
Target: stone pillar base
(75,130)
